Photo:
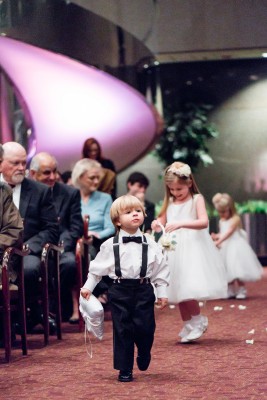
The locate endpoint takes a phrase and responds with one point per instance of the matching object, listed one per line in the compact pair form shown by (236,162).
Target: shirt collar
(124,233)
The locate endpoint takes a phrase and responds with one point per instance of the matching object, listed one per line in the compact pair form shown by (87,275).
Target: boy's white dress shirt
(131,261)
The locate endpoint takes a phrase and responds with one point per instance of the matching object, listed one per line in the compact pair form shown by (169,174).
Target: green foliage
(249,206)
(158,207)
(185,136)
(252,207)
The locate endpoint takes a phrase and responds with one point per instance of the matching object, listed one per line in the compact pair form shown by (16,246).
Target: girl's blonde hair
(223,201)
(122,203)
(177,172)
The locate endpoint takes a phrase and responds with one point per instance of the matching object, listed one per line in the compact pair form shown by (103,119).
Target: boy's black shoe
(125,376)
(143,362)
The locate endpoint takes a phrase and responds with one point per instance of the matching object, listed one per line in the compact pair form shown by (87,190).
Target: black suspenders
(116,250)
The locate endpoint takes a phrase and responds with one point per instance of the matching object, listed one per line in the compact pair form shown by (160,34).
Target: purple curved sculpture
(69,102)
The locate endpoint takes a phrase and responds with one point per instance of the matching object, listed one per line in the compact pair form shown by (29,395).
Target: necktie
(11,185)
(128,239)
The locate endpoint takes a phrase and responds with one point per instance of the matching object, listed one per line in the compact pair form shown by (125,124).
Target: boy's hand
(85,293)
(162,302)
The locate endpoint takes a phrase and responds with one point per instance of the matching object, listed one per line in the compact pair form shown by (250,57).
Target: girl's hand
(85,293)
(217,243)
(155,226)
(214,236)
(162,302)
(172,226)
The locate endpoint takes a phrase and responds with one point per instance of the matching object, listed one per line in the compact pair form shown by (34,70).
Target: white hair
(82,166)
(12,148)
(38,158)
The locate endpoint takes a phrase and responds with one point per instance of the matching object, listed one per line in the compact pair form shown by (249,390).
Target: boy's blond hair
(122,203)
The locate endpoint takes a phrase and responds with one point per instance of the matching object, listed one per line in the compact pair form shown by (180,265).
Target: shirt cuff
(161,292)
(91,283)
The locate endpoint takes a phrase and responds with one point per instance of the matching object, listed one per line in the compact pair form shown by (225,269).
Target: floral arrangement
(186,134)
(167,240)
(185,170)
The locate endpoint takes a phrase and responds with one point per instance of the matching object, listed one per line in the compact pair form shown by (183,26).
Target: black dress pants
(132,310)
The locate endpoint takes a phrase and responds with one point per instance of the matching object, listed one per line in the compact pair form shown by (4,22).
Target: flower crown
(184,170)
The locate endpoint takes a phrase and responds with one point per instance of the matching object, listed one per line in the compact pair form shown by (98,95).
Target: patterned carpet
(220,366)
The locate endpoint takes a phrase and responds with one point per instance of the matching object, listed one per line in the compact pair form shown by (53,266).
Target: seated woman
(92,150)
(86,176)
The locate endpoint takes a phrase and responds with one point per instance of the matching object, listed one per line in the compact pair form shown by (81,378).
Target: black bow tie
(11,185)
(128,239)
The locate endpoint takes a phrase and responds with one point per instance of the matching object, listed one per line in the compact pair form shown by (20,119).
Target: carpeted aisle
(220,366)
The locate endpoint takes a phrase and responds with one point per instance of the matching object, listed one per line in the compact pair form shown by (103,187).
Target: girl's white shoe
(194,331)
(231,292)
(187,328)
(241,293)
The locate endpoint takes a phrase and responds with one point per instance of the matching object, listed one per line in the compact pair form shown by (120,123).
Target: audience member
(11,229)
(107,183)
(67,201)
(11,225)
(137,184)
(85,176)
(34,202)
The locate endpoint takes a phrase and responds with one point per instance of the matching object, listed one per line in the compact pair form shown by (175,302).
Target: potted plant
(186,134)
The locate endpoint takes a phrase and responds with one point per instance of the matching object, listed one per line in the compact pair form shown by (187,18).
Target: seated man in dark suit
(11,229)
(11,225)
(67,201)
(137,184)
(35,204)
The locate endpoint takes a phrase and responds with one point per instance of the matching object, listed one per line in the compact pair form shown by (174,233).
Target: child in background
(132,263)
(196,268)
(240,260)
(137,184)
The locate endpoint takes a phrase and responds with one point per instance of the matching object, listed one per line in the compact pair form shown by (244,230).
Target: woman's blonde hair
(177,172)
(81,167)
(223,201)
(122,203)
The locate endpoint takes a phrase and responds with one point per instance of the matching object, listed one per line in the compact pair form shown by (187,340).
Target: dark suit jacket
(150,212)
(11,225)
(67,201)
(38,212)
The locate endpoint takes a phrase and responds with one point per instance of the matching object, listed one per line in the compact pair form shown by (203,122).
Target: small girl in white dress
(241,262)
(196,268)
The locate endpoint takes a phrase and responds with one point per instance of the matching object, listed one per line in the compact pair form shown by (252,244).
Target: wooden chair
(51,250)
(13,300)
(82,262)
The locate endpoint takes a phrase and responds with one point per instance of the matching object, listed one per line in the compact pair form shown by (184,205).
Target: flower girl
(196,268)
(240,260)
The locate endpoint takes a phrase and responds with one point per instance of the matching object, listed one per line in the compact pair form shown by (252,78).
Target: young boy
(133,262)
